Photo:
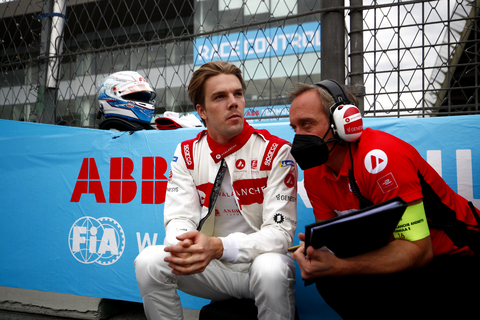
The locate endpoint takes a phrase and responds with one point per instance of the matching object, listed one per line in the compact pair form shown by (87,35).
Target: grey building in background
(403,58)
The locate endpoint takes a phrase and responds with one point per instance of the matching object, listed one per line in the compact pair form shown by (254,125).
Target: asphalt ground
(132,311)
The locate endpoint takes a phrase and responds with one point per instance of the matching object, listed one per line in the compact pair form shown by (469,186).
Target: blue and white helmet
(126,94)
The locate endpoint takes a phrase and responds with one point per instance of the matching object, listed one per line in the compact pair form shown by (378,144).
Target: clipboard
(359,231)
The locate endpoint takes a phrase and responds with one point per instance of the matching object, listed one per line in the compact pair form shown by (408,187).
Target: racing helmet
(126,94)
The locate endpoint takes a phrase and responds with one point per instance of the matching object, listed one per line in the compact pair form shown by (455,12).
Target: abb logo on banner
(123,187)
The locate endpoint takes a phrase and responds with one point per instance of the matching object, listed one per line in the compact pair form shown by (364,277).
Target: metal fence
(403,58)
(422,58)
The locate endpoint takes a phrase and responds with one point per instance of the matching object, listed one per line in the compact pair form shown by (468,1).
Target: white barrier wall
(78,205)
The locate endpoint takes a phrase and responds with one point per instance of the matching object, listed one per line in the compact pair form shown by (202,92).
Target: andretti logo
(99,240)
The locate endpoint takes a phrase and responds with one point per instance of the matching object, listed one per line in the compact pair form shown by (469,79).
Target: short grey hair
(324,94)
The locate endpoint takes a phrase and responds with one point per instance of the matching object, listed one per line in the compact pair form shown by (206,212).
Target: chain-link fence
(422,58)
(405,58)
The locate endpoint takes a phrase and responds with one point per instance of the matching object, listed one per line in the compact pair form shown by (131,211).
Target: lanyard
(215,191)
(362,201)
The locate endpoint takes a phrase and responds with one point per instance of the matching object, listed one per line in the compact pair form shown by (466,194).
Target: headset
(347,124)
(345,118)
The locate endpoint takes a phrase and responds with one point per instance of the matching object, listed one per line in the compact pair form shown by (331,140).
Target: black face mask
(310,151)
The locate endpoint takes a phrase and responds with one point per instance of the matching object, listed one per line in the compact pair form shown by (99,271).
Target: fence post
(356,53)
(53,21)
(333,41)
(56,42)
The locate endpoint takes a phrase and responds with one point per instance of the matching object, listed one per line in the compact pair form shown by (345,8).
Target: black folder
(359,231)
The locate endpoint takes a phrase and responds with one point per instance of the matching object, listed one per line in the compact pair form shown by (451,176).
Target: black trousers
(447,288)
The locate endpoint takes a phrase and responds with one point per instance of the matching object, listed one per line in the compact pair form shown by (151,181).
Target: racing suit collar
(221,151)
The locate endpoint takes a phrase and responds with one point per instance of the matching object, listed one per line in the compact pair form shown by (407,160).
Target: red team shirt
(386,167)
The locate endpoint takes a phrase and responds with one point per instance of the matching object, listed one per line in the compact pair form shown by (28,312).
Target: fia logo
(96,240)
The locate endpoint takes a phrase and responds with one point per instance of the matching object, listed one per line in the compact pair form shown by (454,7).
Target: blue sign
(78,205)
(279,41)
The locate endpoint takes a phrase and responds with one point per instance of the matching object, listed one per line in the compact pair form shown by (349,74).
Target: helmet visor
(142,96)
(139,92)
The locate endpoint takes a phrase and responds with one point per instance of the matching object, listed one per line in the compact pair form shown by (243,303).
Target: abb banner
(78,205)
(123,187)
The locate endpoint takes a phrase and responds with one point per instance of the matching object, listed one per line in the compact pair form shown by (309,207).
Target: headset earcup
(348,122)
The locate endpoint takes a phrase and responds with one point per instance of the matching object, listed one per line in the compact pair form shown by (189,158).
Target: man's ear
(201,111)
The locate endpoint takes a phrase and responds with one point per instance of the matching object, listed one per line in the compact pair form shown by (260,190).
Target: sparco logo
(188,158)
(99,240)
(268,159)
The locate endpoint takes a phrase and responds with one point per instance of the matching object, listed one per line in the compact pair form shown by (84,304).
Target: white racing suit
(263,175)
